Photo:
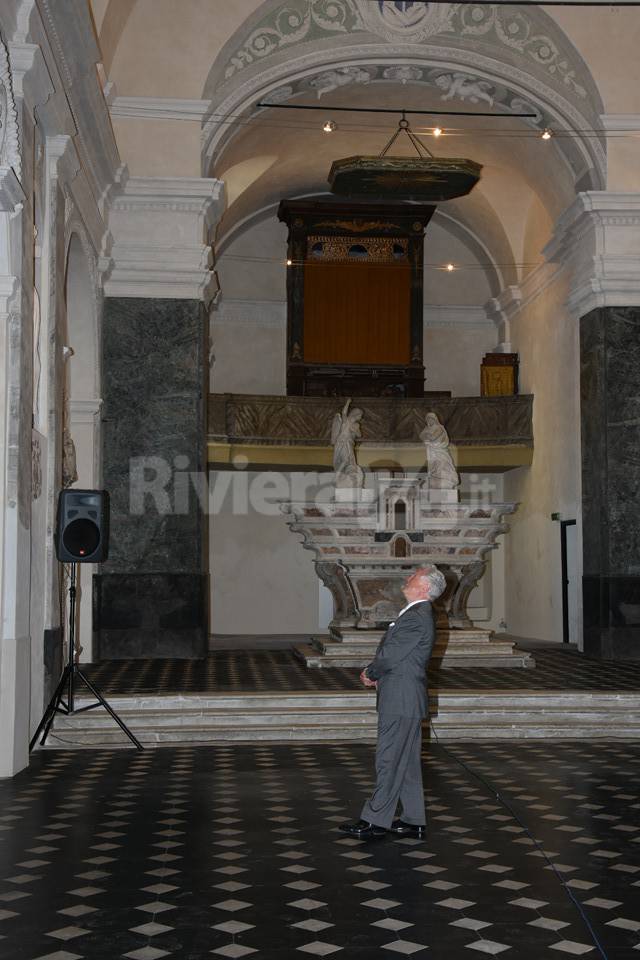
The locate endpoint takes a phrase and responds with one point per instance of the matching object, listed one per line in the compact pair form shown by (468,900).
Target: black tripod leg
(51,710)
(112,713)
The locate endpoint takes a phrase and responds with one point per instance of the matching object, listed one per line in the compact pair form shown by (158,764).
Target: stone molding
(621,122)
(273,313)
(598,239)
(179,214)
(84,411)
(159,108)
(456,315)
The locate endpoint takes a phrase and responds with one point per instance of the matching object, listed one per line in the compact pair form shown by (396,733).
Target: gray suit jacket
(400,663)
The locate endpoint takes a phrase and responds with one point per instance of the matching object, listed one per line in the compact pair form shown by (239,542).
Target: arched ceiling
(284,153)
(355,52)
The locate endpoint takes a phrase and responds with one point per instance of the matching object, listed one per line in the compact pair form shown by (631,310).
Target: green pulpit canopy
(428,179)
(424,178)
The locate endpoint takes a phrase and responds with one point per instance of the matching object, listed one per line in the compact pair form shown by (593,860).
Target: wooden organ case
(355,297)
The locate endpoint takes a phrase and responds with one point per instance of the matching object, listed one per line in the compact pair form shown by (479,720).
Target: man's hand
(367,681)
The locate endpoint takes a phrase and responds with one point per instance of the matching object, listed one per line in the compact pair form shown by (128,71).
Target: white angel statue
(345,429)
(440,469)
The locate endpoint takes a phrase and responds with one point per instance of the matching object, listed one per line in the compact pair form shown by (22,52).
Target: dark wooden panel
(357,313)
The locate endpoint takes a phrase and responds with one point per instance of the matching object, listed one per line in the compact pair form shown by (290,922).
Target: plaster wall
(262,580)
(607,38)
(248,352)
(159,148)
(453,354)
(547,339)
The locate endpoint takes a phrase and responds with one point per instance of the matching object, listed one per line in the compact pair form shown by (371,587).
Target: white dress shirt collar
(404,609)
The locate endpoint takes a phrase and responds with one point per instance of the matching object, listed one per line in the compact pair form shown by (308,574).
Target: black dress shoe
(402,829)
(363,830)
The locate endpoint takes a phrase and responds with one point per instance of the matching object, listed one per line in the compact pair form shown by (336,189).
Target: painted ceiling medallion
(424,178)
(411,20)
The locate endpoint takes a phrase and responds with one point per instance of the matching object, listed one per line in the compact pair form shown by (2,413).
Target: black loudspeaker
(82,527)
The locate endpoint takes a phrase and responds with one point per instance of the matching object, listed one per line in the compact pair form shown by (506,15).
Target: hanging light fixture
(424,178)
(329,126)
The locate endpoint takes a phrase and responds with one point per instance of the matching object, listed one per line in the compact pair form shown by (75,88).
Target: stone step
(329,717)
(346,655)
(469,648)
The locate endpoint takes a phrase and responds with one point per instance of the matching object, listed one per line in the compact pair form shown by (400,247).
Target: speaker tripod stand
(67,683)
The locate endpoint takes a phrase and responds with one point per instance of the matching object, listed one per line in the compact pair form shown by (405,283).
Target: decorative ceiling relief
(294,22)
(515,30)
(334,79)
(9,142)
(454,85)
(410,20)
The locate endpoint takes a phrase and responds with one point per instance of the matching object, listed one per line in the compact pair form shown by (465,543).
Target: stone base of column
(52,661)
(612,617)
(139,615)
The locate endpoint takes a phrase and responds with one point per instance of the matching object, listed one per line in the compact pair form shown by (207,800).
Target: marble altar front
(366,542)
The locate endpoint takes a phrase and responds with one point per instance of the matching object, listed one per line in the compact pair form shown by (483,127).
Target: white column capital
(598,239)
(159,229)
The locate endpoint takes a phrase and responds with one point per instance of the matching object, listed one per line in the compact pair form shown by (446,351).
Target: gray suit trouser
(398,773)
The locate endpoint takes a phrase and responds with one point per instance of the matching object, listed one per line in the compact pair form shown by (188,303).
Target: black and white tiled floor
(233,851)
(226,671)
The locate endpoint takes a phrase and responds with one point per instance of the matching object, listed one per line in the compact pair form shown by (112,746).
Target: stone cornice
(621,122)
(273,313)
(159,108)
(456,315)
(62,158)
(157,241)
(84,411)
(196,195)
(29,74)
(598,239)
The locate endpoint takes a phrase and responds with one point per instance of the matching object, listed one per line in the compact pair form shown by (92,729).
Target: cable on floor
(493,789)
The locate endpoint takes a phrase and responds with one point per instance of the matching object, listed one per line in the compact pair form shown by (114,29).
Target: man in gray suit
(399,673)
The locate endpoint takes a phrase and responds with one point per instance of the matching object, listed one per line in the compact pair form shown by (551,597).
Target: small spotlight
(289,262)
(450,267)
(329,126)
(547,134)
(437,131)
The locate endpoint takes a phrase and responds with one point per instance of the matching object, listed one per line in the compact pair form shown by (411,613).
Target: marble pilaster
(610,415)
(150,597)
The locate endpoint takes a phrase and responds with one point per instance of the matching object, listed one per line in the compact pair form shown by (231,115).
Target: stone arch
(518,58)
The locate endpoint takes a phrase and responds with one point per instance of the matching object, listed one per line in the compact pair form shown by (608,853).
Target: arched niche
(81,414)
(81,308)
